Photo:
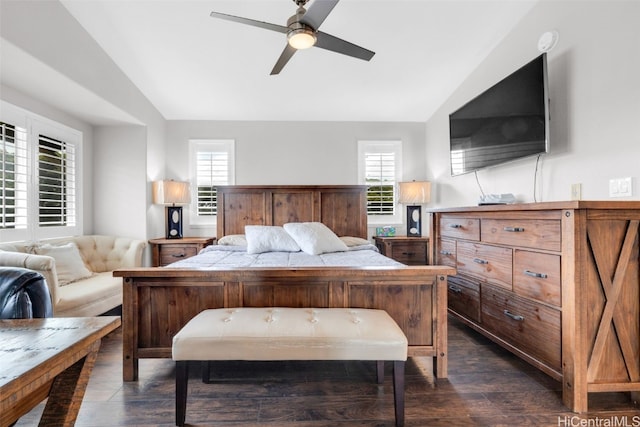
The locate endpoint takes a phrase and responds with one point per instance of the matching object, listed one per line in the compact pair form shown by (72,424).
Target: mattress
(217,256)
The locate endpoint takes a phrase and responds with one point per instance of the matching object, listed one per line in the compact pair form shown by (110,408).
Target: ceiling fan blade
(253,22)
(334,44)
(318,12)
(285,56)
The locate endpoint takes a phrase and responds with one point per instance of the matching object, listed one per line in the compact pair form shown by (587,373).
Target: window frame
(209,145)
(36,125)
(378,146)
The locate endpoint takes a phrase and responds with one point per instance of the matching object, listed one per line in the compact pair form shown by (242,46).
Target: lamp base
(414,221)
(174,222)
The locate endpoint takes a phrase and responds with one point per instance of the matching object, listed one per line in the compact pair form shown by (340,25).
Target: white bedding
(237,256)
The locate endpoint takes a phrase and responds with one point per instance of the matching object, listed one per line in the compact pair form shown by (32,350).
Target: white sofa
(79,286)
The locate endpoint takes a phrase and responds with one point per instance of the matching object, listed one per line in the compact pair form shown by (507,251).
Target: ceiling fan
(302,32)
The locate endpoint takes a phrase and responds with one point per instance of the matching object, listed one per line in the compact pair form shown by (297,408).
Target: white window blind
(380,180)
(13,177)
(56,182)
(380,166)
(40,169)
(212,164)
(212,169)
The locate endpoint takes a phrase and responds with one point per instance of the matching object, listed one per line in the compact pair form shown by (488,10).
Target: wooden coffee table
(48,357)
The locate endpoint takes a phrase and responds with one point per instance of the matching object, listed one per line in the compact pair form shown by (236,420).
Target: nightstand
(407,250)
(166,251)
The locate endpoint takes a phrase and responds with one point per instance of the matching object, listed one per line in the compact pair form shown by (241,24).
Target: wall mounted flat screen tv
(508,121)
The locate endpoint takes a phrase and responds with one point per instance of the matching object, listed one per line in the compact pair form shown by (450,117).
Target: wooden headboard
(342,208)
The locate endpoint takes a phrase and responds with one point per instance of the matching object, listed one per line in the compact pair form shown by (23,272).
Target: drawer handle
(480,261)
(514,316)
(445,252)
(178,255)
(408,253)
(514,229)
(455,289)
(534,274)
(455,225)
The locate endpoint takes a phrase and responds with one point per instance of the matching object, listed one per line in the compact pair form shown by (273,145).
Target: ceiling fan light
(301,38)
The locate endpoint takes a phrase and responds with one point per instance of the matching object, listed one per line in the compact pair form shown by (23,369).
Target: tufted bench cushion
(290,334)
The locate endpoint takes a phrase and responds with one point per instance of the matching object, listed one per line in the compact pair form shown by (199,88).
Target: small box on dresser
(556,283)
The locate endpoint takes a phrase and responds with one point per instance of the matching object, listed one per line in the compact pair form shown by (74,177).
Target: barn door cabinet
(555,283)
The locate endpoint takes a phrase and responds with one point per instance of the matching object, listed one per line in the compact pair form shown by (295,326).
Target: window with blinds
(379,169)
(380,180)
(40,164)
(212,164)
(56,182)
(13,177)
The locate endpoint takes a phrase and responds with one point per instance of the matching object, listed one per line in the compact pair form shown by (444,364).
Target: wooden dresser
(557,283)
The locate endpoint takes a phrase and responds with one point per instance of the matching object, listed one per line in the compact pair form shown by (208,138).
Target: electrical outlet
(620,187)
(576,191)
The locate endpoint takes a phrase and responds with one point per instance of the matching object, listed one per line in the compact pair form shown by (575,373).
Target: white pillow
(354,241)
(69,264)
(268,238)
(315,238)
(233,240)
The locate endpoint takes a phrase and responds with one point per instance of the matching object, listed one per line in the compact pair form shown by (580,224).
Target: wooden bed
(157,302)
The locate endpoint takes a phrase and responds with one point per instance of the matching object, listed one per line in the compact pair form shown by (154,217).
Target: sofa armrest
(43,264)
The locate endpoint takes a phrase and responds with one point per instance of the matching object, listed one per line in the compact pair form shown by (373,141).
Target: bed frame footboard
(158,302)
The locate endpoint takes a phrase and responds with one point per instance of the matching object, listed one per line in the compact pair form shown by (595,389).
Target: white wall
(278,153)
(119,166)
(595,106)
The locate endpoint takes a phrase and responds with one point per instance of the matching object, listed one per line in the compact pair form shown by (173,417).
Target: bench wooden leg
(206,372)
(398,391)
(182,378)
(380,371)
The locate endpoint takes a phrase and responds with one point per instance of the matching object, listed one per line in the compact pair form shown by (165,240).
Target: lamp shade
(414,192)
(171,193)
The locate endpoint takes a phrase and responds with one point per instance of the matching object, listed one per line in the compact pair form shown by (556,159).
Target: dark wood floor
(487,386)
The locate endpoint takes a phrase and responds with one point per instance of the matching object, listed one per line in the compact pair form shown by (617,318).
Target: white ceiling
(194,67)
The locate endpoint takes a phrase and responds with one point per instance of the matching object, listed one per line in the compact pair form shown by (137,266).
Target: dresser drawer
(460,228)
(531,327)
(538,234)
(410,253)
(173,253)
(446,252)
(537,275)
(464,297)
(488,263)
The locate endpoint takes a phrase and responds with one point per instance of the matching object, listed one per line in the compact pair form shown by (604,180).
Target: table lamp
(172,194)
(412,195)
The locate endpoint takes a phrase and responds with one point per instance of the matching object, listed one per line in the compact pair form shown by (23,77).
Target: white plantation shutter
(380,180)
(40,167)
(212,164)
(212,169)
(56,182)
(13,177)
(380,167)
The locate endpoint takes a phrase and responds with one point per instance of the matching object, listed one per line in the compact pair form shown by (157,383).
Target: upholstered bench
(291,334)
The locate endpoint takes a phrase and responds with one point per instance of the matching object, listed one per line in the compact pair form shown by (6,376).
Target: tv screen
(506,122)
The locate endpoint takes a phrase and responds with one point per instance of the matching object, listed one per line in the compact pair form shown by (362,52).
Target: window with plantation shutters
(13,177)
(39,176)
(380,164)
(56,182)
(212,164)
